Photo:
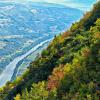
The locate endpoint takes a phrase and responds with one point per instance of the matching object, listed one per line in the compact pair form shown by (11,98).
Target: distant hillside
(69,69)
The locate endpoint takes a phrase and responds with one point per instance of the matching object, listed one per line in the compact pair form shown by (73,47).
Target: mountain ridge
(68,69)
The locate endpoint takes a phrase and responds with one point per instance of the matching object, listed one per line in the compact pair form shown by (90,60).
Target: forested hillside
(69,69)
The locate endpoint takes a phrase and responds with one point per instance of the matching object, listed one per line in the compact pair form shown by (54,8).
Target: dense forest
(69,69)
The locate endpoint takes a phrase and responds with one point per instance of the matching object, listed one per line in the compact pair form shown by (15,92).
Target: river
(9,70)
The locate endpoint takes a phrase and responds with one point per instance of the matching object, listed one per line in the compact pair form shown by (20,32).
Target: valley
(25,30)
